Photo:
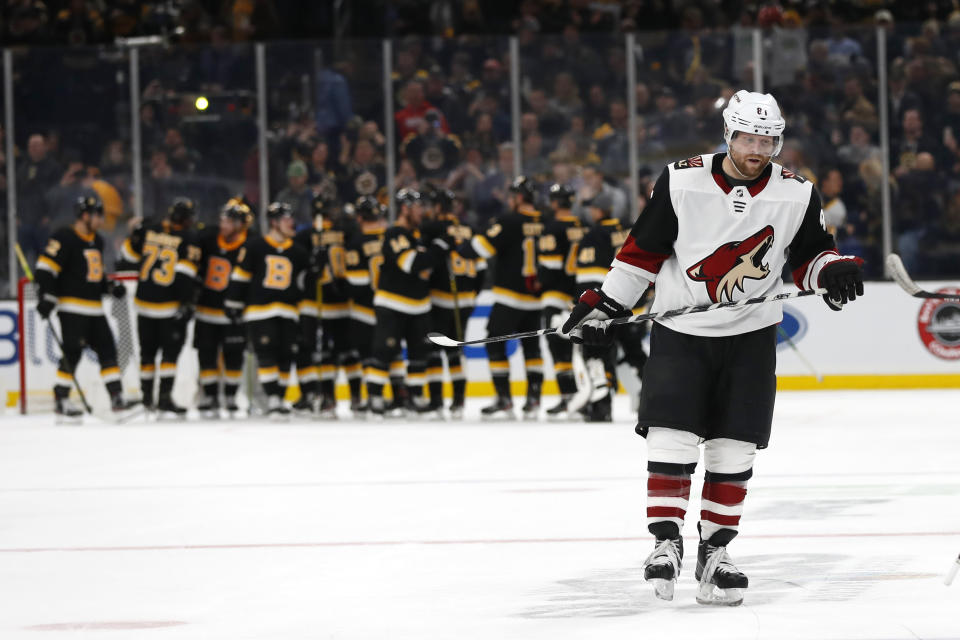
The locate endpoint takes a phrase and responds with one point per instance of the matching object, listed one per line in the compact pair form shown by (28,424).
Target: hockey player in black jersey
(70,277)
(308,356)
(364,261)
(559,246)
(215,335)
(513,239)
(454,284)
(266,289)
(402,305)
(717,227)
(165,254)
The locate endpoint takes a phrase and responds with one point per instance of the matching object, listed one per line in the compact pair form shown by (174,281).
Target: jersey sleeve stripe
(632,255)
(551,262)
(128,253)
(483,247)
(241,275)
(187,268)
(807,275)
(45,263)
(405,260)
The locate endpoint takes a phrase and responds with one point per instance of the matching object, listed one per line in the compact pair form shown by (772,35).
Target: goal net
(40,355)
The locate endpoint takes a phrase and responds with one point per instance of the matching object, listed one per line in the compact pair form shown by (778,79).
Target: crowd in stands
(451,95)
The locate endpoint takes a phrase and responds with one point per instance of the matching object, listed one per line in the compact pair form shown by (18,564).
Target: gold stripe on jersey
(268,374)
(375,375)
(45,263)
(358,277)
(354,370)
(233,375)
(444,299)
(590,274)
(334,310)
(241,275)
(561,367)
(272,310)
(308,308)
(209,375)
(81,306)
(556,299)
(187,268)
(307,374)
(482,246)
(155,309)
(400,303)
(515,300)
(405,260)
(64,376)
(363,314)
(551,261)
(499,366)
(212,315)
(397,368)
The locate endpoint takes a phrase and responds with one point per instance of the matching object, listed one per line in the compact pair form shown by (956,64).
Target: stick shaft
(661,314)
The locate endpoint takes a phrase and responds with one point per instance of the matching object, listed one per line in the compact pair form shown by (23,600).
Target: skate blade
(710,594)
(69,421)
(662,588)
(500,416)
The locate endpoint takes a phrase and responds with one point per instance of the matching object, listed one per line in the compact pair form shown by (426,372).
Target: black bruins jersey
(71,270)
(166,258)
(513,240)
(404,278)
(218,258)
(468,271)
(597,251)
(364,260)
(559,247)
(326,249)
(271,281)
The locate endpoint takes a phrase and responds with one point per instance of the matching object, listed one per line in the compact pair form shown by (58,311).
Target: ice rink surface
(466,531)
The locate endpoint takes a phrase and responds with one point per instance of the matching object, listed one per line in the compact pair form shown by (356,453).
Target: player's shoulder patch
(787,174)
(689,163)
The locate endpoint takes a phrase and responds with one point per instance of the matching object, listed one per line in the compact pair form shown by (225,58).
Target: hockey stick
(456,299)
(53,331)
(899,273)
(809,365)
(953,572)
(444,341)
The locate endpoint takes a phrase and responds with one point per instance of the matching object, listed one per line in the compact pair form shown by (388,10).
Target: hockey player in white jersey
(717,227)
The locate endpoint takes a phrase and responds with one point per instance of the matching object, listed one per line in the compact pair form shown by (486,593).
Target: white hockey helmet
(752,112)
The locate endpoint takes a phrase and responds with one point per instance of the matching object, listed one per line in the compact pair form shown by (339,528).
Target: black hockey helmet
(181,211)
(278,210)
(367,208)
(237,211)
(88,204)
(444,199)
(408,196)
(562,195)
(525,187)
(319,205)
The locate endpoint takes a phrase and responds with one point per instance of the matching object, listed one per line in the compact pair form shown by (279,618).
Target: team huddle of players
(347,293)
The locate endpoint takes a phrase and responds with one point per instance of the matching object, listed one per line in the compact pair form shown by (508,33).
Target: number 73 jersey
(166,257)
(271,280)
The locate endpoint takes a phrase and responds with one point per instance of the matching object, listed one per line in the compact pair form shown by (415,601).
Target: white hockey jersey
(702,240)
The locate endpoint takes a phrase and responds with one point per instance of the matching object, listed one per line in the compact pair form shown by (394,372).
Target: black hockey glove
(116,289)
(843,280)
(45,306)
(584,324)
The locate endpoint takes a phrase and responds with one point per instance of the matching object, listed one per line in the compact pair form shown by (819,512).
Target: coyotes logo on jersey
(725,269)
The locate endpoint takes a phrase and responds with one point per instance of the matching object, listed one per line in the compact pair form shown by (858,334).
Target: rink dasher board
(884,340)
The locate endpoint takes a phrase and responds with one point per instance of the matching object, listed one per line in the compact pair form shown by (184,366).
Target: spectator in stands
(918,207)
(432,152)
(79,24)
(566,95)
(493,85)
(673,125)
(36,174)
(182,159)
(901,99)
(913,140)
(151,131)
(482,137)
(468,175)
(594,185)
(445,99)
(857,149)
(613,141)
(415,108)
(333,107)
(490,195)
(115,164)
(597,109)
(943,250)
(363,175)
(551,122)
(831,188)
(297,194)
(26,22)
(320,171)
(793,157)
(951,130)
(535,164)
(75,183)
(856,108)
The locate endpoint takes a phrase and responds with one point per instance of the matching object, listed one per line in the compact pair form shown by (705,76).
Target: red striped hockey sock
(722,502)
(668,492)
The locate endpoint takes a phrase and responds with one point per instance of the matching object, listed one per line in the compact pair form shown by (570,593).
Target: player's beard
(749,165)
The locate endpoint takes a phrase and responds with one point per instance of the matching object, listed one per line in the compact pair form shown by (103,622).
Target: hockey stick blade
(445,341)
(899,274)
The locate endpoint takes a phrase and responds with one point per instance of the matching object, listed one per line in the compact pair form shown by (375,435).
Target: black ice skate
(600,411)
(209,407)
(663,566)
(358,408)
(531,408)
(328,407)
(502,409)
(67,412)
(720,581)
(559,412)
(166,406)
(277,410)
(230,404)
(304,406)
(433,410)
(456,409)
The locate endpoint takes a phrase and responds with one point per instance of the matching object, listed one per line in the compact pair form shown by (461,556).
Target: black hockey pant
(213,341)
(159,335)
(392,328)
(444,321)
(274,341)
(504,320)
(80,332)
